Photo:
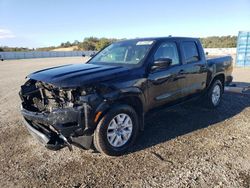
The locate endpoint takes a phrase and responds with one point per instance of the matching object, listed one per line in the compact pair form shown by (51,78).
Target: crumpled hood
(77,75)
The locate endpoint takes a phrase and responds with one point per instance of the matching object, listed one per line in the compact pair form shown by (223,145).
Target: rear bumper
(228,80)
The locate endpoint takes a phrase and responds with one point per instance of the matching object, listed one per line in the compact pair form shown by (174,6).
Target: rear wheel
(116,131)
(214,94)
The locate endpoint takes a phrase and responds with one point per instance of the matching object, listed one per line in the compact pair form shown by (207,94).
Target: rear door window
(190,52)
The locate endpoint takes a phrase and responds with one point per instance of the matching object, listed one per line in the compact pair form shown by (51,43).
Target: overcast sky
(31,23)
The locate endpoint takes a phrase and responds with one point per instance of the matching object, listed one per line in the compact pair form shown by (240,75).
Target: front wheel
(116,131)
(214,94)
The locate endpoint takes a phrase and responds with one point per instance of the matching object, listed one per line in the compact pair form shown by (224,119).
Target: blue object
(243,49)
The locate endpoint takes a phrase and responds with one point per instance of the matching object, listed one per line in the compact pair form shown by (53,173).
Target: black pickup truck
(104,101)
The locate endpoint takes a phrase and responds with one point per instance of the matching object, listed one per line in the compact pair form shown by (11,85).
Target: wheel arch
(135,100)
(219,76)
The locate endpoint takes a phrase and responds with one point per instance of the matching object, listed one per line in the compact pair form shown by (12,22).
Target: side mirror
(92,55)
(161,63)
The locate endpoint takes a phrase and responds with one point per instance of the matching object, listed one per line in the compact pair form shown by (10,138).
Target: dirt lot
(186,146)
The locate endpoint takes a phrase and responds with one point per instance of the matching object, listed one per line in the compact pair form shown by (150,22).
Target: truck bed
(222,64)
(216,59)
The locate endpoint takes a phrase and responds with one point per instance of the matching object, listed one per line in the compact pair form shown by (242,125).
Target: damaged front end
(58,117)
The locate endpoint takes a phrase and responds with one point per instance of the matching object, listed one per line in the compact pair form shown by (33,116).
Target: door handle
(200,65)
(180,75)
(162,79)
(181,71)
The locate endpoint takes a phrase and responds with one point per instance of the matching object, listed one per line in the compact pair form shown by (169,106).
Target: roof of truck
(163,38)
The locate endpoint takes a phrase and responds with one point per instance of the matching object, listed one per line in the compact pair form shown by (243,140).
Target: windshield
(125,52)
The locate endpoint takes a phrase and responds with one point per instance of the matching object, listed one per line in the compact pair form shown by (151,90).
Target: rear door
(193,68)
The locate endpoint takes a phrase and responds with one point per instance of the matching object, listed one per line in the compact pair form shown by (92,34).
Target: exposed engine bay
(61,115)
(42,97)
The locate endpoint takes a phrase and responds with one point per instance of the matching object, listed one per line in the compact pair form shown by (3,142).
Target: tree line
(219,42)
(14,49)
(96,44)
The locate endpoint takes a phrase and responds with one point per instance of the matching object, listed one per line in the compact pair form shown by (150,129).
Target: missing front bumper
(51,141)
(59,128)
(64,121)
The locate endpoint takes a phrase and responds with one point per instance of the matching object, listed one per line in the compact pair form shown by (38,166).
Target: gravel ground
(185,146)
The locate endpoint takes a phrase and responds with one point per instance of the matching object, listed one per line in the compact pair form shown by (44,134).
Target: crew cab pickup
(103,102)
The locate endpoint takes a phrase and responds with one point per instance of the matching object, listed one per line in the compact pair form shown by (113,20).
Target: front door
(164,84)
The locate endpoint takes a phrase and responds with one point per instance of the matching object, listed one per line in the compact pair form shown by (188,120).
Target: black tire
(101,142)
(209,97)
